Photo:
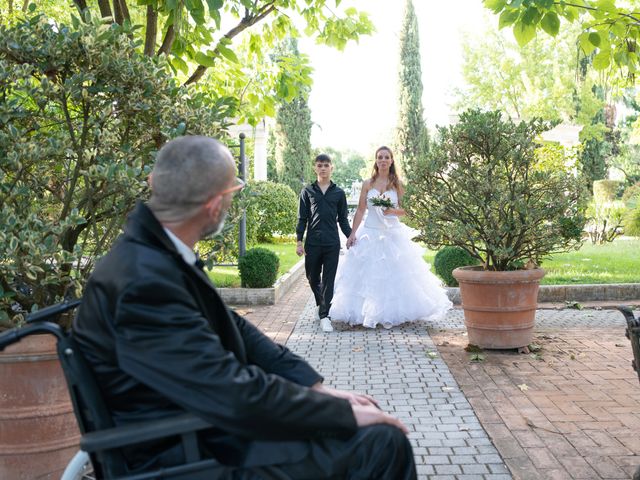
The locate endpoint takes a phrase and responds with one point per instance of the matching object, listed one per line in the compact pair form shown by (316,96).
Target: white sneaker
(317,310)
(325,324)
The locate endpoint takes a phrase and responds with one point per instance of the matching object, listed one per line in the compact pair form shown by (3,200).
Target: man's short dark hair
(323,157)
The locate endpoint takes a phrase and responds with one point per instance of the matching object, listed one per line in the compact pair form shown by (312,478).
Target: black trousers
(320,264)
(377,452)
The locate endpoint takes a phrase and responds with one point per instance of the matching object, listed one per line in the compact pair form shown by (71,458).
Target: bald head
(188,172)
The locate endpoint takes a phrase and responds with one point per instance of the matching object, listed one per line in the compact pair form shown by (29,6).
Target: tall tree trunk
(117,12)
(125,10)
(105,8)
(81,5)
(152,31)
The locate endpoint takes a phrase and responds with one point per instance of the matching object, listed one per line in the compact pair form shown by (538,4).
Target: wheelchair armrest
(118,437)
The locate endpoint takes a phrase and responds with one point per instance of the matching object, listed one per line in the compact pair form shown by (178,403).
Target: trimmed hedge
(448,259)
(258,268)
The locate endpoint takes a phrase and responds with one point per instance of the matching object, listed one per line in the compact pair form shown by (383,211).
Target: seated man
(161,342)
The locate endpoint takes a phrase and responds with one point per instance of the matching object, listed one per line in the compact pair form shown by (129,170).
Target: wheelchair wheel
(79,468)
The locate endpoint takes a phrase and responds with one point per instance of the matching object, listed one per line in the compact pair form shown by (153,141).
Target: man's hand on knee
(371,415)
(354,398)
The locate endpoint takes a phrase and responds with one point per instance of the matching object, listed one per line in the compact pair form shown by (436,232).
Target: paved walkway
(568,411)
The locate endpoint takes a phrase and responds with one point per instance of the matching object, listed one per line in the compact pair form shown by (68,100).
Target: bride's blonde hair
(394,179)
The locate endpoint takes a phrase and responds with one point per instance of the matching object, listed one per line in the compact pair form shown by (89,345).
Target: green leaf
(594,39)
(227,53)
(215,4)
(606,6)
(571,14)
(546,4)
(531,16)
(204,60)
(180,64)
(523,33)
(550,23)
(495,5)
(602,60)
(507,17)
(585,43)
(196,10)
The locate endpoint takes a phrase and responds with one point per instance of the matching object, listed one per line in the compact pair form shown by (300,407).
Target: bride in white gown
(383,279)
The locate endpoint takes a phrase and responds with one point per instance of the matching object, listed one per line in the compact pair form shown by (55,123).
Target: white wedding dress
(383,279)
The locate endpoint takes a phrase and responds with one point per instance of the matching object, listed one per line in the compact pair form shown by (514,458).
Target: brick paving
(569,411)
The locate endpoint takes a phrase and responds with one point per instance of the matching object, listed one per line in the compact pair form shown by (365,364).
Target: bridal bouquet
(382,201)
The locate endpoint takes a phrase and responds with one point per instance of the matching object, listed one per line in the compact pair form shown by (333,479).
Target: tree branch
(152,31)
(246,22)
(169,37)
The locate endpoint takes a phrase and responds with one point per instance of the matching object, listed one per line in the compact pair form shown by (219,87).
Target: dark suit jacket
(161,342)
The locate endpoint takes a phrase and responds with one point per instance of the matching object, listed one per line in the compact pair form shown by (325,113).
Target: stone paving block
(475,469)
(448,469)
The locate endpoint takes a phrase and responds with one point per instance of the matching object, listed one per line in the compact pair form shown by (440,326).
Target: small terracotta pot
(499,307)
(38,431)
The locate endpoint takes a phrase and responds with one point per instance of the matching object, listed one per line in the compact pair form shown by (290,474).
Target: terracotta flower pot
(38,432)
(499,307)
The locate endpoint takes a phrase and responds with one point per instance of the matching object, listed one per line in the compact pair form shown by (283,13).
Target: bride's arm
(362,207)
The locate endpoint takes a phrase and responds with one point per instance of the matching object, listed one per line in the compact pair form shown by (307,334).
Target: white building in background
(566,134)
(258,135)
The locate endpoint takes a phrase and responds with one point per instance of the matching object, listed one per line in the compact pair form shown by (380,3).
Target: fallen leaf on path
(476,357)
(523,387)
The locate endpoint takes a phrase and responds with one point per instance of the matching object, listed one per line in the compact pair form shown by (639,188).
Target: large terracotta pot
(38,432)
(499,307)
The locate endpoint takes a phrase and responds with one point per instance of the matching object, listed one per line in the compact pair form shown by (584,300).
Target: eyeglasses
(238,185)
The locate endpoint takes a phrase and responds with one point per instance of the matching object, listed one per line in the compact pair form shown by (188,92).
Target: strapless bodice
(375,217)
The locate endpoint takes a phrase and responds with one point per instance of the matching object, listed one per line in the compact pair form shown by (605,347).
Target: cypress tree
(293,162)
(411,138)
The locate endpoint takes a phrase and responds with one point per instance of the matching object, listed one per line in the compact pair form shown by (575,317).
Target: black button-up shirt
(320,213)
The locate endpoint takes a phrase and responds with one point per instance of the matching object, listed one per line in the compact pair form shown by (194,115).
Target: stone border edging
(575,293)
(263,296)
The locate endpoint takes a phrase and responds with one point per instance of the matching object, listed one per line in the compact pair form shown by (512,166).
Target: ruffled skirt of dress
(384,280)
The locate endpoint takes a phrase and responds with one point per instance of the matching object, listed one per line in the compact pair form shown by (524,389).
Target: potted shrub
(491,187)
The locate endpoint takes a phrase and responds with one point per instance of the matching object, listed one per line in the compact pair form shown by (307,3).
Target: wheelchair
(633,333)
(101,441)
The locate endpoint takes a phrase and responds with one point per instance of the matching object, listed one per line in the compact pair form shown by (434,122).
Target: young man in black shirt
(323,205)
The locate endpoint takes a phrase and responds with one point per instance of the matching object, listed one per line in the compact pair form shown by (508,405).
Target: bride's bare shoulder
(366,185)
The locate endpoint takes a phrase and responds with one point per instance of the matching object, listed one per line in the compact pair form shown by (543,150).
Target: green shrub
(631,220)
(631,195)
(606,190)
(448,259)
(258,268)
(82,114)
(272,209)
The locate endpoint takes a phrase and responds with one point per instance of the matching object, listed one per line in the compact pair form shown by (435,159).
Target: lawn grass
(616,262)
(230,277)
